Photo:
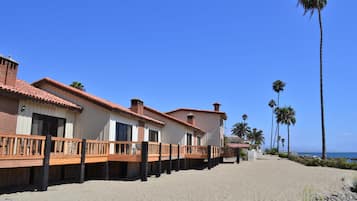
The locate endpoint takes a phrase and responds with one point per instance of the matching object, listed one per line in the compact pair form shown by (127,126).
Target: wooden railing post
(170,161)
(209,161)
(83,161)
(144,161)
(178,158)
(158,173)
(46,164)
(238,155)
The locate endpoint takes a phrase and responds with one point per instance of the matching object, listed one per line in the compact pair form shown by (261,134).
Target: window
(153,135)
(123,132)
(48,125)
(189,142)
(189,139)
(221,122)
(198,141)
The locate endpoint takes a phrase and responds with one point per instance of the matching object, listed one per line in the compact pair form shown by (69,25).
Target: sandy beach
(267,179)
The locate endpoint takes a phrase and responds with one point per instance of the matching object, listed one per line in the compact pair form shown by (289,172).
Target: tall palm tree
(283,143)
(241,130)
(286,116)
(311,6)
(77,85)
(244,117)
(272,105)
(256,137)
(278,86)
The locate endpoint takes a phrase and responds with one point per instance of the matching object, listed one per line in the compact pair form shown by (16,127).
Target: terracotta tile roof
(26,90)
(175,119)
(94,99)
(224,115)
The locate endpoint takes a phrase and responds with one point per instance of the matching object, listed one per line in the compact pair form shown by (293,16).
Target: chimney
(216,106)
(137,106)
(191,118)
(8,71)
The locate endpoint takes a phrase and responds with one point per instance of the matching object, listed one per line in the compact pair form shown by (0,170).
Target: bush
(354,185)
(340,163)
(273,151)
(283,155)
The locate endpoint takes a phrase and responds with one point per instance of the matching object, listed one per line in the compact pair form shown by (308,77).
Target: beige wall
(24,118)
(209,122)
(92,123)
(172,132)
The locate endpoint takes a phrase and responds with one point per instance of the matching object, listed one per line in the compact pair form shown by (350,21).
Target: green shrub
(340,163)
(354,185)
(272,151)
(283,155)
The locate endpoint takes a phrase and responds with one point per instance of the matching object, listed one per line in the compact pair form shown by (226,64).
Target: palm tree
(278,86)
(286,115)
(244,117)
(283,143)
(272,105)
(311,6)
(256,137)
(241,130)
(77,85)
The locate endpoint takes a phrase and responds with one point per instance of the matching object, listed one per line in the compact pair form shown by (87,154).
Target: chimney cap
(136,100)
(216,103)
(190,114)
(8,58)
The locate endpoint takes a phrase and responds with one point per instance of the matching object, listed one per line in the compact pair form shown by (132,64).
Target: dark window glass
(48,125)
(198,140)
(153,136)
(123,132)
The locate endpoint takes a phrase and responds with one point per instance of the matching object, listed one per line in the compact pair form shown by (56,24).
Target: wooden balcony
(29,150)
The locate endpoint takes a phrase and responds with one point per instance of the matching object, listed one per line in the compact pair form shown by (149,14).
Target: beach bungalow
(211,121)
(26,110)
(103,120)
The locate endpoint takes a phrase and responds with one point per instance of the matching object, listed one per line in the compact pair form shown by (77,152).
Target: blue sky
(192,53)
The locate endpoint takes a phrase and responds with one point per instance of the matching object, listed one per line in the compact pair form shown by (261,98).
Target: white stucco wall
(92,122)
(209,122)
(172,132)
(24,118)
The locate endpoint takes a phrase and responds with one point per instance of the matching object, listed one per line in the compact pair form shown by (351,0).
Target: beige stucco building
(211,121)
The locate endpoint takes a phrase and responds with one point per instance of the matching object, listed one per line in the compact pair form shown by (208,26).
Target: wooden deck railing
(174,150)
(196,152)
(21,147)
(125,151)
(69,150)
(97,148)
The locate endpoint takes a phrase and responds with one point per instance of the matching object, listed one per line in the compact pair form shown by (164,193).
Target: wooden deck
(29,151)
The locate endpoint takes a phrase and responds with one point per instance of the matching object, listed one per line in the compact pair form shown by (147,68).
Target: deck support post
(106,170)
(83,161)
(159,163)
(178,158)
(209,160)
(144,161)
(170,161)
(46,164)
(238,155)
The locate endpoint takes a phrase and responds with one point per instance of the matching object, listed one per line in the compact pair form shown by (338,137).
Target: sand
(269,179)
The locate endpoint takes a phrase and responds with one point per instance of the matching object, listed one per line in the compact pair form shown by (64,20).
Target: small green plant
(310,195)
(354,185)
(283,155)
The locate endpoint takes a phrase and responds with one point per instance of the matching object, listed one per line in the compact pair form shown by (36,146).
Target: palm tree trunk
(272,129)
(278,127)
(288,140)
(321,90)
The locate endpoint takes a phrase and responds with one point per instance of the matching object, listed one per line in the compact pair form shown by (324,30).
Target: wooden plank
(20,163)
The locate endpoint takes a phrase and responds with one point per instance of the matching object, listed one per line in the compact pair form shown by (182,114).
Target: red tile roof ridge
(25,89)
(174,119)
(100,101)
(198,110)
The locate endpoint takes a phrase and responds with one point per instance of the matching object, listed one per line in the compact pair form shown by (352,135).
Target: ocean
(347,155)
